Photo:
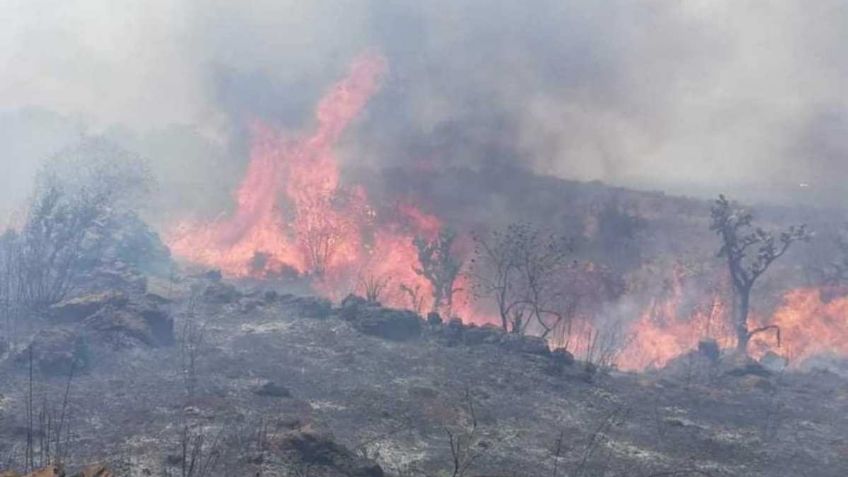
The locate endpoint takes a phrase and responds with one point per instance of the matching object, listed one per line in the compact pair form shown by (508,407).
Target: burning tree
(739,237)
(440,267)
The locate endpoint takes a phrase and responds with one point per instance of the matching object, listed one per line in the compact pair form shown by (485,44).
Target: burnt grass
(280,386)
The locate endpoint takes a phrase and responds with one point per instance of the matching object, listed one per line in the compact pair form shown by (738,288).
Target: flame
(812,321)
(294,215)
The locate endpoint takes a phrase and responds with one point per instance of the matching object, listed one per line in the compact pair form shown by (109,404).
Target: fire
(294,215)
(811,323)
(664,330)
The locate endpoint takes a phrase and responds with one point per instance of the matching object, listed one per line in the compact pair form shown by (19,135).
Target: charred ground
(263,383)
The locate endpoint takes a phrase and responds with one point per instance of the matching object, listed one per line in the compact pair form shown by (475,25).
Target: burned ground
(272,384)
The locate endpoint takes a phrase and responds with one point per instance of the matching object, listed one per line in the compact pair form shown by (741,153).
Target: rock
(526,344)
(312,307)
(387,323)
(453,332)
(221,293)
(80,308)
(95,470)
(350,306)
(213,275)
(434,319)
(272,389)
(144,321)
(740,364)
(317,449)
(562,357)
(475,335)
(774,362)
(56,352)
(709,349)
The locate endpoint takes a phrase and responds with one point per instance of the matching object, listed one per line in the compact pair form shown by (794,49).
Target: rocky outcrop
(221,293)
(78,308)
(375,320)
(272,389)
(120,320)
(526,344)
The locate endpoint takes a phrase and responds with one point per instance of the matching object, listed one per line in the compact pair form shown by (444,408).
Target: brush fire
(449,239)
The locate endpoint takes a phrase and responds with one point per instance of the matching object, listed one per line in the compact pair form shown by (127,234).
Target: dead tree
(749,252)
(524,270)
(440,267)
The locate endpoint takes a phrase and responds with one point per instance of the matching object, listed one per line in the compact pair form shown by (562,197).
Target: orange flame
(292,213)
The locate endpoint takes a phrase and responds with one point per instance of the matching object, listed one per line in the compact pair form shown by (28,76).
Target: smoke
(695,96)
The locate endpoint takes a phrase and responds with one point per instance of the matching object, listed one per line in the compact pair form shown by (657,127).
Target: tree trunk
(741,307)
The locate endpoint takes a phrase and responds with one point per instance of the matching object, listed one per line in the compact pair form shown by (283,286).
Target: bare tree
(53,243)
(525,271)
(440,267)
(749,252)
(374,286)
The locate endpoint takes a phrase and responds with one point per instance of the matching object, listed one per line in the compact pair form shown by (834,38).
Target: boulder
(315,449)
(526,344)
(350,306)
(80,308)
(709,349)
(221,293)
(475,335)
(143,322)
(562,357)
(272,389)
(311,307)
(56,352)
(387,323)
(453,332)
(739,364)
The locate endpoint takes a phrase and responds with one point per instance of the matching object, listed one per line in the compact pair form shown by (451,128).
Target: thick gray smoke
(696,96)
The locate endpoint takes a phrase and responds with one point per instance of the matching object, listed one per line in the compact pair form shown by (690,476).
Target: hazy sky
(689,95)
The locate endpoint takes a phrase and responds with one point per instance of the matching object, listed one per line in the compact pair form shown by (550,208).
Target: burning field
(289,238)
(295,218)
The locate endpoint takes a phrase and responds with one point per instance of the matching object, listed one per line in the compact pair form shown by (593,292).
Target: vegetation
(749,252)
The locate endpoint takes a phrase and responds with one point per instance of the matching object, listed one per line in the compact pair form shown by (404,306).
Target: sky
(689,96)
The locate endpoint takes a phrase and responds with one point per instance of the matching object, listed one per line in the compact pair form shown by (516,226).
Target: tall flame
(293,214)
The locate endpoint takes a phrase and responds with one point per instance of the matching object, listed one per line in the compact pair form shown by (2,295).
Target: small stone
(272,389)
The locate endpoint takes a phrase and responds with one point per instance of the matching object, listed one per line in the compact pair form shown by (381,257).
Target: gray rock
(272,389)
(387,323)
(80,308)
(526,344)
